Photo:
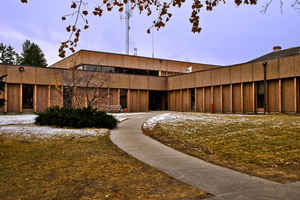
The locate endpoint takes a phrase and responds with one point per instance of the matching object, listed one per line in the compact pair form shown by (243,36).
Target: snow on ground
(24,125)
(124,116)
(30,118)
(199,117)
(46,131)
(17,119)
(166,118)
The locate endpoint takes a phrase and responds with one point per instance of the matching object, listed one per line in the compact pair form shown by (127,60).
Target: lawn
(264,146)
(81,167)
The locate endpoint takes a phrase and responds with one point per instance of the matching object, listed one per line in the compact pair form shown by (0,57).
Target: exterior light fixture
(21,69)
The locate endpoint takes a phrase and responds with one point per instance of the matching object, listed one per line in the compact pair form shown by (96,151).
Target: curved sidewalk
(224,183)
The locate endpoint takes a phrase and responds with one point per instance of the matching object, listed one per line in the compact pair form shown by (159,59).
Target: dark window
(192,98)
(108,69)
(260,94)
(123,98)
(91,68)
(27,93)
(99,69)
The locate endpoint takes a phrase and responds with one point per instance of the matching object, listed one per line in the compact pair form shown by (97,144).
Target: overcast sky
(230,34)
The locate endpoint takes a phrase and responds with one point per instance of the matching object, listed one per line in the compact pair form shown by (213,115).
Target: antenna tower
(127,26)
(153,44)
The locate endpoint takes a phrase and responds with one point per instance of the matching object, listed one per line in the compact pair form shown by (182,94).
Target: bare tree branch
(88,89)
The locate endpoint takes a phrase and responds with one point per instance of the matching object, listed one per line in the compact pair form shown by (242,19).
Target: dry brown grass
(265,146)
(81,168)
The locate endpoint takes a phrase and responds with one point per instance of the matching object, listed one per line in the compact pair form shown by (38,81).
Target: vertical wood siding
(42,98)
(13,94)
(273,96)
(217,99)
(248,96)
(236,98)
(287,95)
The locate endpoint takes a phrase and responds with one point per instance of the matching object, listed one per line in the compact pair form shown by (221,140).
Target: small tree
(84,89)
(8,55)
(2,86)
(33,55)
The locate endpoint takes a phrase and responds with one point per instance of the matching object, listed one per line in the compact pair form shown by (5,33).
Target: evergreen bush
(76,118)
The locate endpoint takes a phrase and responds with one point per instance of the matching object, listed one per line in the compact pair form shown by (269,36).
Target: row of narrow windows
(109,69)
(260,96)
(157,97)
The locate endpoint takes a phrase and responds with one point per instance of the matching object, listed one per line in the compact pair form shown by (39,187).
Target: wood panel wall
(236,98)
(248,98)
(55,97)
(217,99)
(113,96)
(171,100)
(226,99)
(178,100)
(13,98)
(207,99)
(143,96)
(186,100)
(133,101)
(285,67)
(42,98)
(273,96)
(199,100)
(287,95)
(138,101)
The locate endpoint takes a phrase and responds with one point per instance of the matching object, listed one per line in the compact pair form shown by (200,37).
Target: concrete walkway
(224,183)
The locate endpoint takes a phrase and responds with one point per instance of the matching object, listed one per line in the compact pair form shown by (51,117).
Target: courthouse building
(269,84)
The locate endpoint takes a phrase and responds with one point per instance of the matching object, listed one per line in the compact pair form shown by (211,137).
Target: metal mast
(153,44)
(127,27)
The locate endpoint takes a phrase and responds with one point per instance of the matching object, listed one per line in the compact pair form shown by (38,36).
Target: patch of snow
(199,117)
(123,116)
(17,119)
(45,131)
(167,118)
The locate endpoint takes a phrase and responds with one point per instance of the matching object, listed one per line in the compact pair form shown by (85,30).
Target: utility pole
(127,26)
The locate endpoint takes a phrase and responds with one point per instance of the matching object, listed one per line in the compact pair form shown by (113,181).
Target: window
(192,91)
(108,69)
(260,94)
(27,93)
(91,68)
(123,98)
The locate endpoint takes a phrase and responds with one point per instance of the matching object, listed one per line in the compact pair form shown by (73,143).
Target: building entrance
(27,98)
(158,100)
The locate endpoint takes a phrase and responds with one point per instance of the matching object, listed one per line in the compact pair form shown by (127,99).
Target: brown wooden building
(269,83)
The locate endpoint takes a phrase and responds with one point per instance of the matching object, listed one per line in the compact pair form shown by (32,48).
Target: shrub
(76,118)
